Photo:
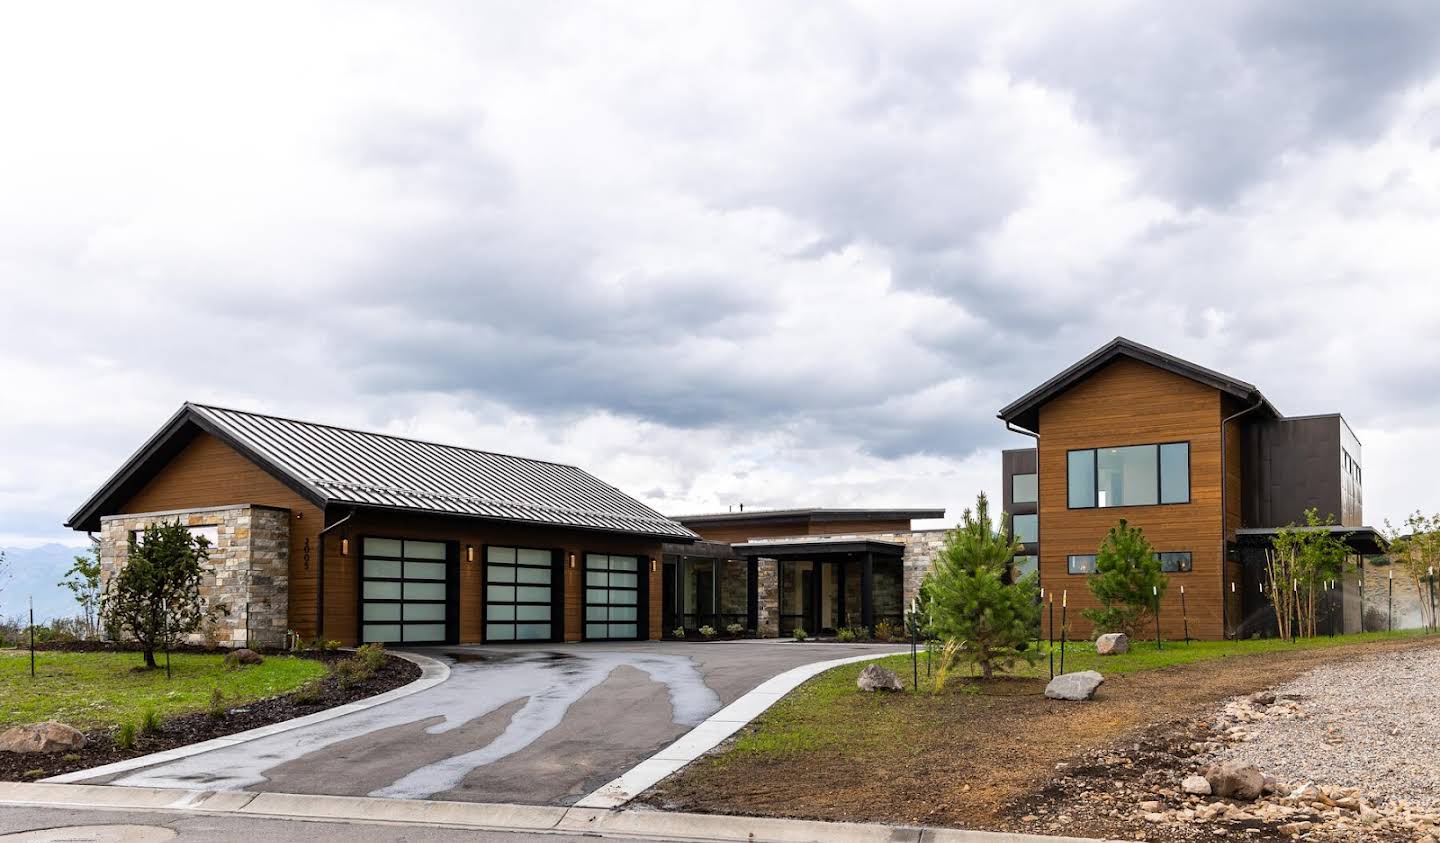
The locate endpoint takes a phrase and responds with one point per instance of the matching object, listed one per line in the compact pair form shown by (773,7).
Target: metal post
(165,637)
(32,636)
(247,624)
(1051,625)
(1064,625)
(1432,599)
(1155,590)
(1390,606)
(914,661)
(1185,615)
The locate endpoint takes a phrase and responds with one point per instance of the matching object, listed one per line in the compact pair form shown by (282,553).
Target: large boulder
(244,655)
(1074,686)
(1112,644)
(49,736)
(1234,780)
(877,678)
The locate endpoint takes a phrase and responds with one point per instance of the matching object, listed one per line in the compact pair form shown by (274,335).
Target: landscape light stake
(1155,590)
(1432,598)
(165,638)
(1390,608)
(32,636)
(1185,615)
(1064,624)
(914,659)
(1051,648)
(1295,602)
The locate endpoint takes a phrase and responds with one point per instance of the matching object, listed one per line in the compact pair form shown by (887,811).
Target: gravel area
(1371,722)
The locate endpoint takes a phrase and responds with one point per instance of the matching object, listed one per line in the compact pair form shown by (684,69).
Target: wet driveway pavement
(542,725)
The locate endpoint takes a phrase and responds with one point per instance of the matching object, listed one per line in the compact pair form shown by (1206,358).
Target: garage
(522,594)
(614,594)
(408,591)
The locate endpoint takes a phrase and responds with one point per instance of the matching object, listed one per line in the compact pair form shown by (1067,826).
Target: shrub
(308,693)
(351,672)
(678,633)
(150,722)
(800,634)
(125,736)
(1126,580)
(968,599)
(373,655)
(886,631)
(845,635)
(736,629)
(216,709)
(708,632)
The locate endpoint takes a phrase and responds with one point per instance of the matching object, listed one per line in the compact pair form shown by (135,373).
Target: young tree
(1416,552)
(83,581)
(155,596)
(983,618)
(1300,558)
(1127,581)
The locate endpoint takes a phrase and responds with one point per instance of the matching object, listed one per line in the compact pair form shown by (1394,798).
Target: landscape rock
(49,736)
(244,655)
(1112,644)
(1074,686)
(1234,780)
(1198,785)
(877,678)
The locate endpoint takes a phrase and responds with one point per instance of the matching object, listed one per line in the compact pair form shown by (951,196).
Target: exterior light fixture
(572,560)
(344,545)
(469,553)
(653,564)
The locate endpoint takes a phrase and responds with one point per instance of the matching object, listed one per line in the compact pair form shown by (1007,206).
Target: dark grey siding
(1291,465)
(1013,462)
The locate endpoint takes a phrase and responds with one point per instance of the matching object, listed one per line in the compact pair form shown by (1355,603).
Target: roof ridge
(393,436)
(370,487)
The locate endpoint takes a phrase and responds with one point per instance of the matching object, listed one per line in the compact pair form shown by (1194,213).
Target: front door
(407,591)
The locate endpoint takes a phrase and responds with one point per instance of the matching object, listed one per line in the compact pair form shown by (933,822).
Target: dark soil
(186,729)
(1003,757)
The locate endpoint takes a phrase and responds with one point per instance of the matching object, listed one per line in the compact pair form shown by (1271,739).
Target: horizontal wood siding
(1131,403)
(207,472)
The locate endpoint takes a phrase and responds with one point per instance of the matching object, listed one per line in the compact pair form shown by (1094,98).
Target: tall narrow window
(1175,472)
(1082,479)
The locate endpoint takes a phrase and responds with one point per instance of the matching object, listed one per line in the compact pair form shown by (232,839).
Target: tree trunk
(150,659)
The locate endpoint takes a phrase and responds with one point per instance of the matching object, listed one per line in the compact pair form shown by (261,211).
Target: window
(1136,475)
(1024,566)
(1176,562)
(1080,564)
(1026,528)
(1023,488)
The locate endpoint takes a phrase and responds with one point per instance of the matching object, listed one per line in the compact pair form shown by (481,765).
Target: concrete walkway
(540,725)
(256,817)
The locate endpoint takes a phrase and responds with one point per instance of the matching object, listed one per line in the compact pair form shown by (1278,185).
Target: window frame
(1070,564)
(1015,532)
(1032,474)
(1189,561)
(1159,475)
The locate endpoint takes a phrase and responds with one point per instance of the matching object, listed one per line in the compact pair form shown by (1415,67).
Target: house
(1202,461)
(341,534)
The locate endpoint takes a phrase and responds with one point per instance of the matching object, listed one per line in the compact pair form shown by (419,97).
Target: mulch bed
(186,729)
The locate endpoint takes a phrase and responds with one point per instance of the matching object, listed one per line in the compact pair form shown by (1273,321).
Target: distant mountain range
(35,572)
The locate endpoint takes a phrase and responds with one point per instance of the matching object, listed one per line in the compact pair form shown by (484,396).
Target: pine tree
(970,603)
(1128,581)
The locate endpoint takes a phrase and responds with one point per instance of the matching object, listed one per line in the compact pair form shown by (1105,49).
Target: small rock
(1151,806)
(1112,644)
(1263,698)
(1074,686)
(49,736)
(1234,780)
(1198,785)
(877,678)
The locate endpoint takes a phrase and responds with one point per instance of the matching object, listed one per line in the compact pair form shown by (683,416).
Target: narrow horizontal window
(1175,562)
(1080,564)
(1133,475)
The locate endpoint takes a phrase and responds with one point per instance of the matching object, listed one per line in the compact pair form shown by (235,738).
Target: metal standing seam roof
(344,466)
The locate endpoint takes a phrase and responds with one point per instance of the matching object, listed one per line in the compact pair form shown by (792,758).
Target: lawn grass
(826,713)
(90,690)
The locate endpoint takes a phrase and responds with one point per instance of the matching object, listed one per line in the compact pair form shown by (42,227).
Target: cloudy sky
(779,254)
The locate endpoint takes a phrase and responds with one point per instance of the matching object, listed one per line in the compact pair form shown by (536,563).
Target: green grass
(88,690)
(827,712)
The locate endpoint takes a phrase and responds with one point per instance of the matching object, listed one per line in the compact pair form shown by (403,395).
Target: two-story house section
(1201,460)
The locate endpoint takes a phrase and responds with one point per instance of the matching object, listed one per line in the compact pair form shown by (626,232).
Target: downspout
(320,590)
(1225,527)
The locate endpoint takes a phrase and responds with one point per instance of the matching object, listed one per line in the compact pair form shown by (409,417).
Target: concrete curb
(708,735)
(535,819)
(432,673)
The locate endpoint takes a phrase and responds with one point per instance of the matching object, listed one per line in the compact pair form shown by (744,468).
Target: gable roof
(339,466)
(1025,411)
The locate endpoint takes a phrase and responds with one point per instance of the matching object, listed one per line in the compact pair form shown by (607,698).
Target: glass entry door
(612,597)
(406,591)
(520,592)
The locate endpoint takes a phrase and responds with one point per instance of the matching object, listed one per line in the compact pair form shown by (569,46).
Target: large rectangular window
(1026,527)
(1136,475)
(1023,489)
(1175,562)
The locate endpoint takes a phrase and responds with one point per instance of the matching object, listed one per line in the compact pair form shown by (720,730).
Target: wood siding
(1131,403)
(207,472)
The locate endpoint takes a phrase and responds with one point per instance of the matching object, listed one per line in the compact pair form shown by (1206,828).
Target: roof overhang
(814,514)
(1024,412)
(1358,539)
(809,548)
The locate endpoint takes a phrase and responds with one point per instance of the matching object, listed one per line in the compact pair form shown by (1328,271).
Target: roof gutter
(320,589)
(1224,530)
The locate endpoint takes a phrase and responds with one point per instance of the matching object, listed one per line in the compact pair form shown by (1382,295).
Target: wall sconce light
(653,563)
(469,553)
(572,560)
(344,545)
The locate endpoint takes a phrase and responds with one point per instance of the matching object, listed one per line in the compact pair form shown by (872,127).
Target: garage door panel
(406,591)
(521,598)
(612,597)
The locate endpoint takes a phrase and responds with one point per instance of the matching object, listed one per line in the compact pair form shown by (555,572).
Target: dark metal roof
(1025,410)
(1359,539)
(816,546)
(812,513)
(339,466)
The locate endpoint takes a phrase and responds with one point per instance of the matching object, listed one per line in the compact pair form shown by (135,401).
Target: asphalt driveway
(540,725)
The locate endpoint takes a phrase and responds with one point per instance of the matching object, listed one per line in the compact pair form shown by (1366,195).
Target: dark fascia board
(523,522)
(819,547)
(160,448)
(1360,539)
(1024,411)
(813,514)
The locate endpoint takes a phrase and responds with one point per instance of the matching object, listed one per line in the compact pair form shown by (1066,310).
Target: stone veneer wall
(1411,605)
(921,546)
(249,564)
(769,599)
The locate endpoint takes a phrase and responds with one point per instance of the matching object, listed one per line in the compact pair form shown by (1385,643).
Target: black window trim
(1036,475)
(1187,553)
(557,593)
(451,580)
(1159,480)
(1015,534)
(1069,560)
(641,589)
